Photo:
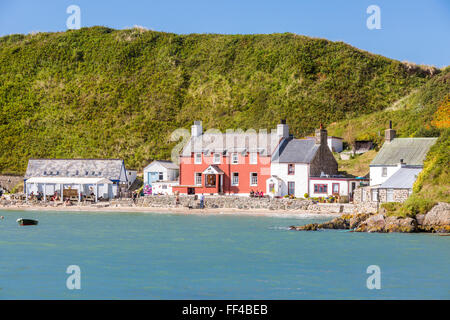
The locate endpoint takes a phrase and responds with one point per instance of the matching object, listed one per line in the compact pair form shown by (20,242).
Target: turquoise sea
(174,256)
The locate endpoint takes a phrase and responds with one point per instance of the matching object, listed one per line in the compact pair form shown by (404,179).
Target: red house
(234,162)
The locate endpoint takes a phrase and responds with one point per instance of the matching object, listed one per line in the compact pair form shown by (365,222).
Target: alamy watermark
(74,280)
(74,20)
(373,281)
(374,20)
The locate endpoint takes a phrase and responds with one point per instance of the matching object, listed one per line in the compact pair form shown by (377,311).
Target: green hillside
(424,112)
(98,92)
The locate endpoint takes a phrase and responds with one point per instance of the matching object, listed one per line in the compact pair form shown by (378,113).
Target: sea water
(197,256)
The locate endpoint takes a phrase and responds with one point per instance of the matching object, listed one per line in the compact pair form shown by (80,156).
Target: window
(198,158)
(335,188)
(198,179)
(164,186)
(216,158)
(320,188)
(291,188)
(234,158)
(253,179)
(375,195)
(384,172)
(390,195)
(210,180)
(291,168)
(235,179)
(160,176)
(253,158)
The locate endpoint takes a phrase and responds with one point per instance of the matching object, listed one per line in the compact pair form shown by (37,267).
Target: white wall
(376,172)
(131,174)
(343,187)
(168,174)
(335,145)
(300,178)
(158,187)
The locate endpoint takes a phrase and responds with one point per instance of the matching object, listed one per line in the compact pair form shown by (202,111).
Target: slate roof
(165,163)
(295,151)
(100,168)
(411,150)
(232,142)
(404,178)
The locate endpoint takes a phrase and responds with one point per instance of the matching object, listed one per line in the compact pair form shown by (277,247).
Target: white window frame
(384,171)
(195,158)
(161,176)
(251,176)
(390,191)
(196,174)
(232,158)
(375,195)
(219,161)
(232,179)
(253,157)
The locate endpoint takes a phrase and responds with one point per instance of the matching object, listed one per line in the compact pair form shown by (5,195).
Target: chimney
(283,129)
(389,134)
(321,136)
(197,129)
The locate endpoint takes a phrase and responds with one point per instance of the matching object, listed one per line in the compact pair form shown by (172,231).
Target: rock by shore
(436,220)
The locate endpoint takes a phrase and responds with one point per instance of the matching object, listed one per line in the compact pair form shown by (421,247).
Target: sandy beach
(179,210)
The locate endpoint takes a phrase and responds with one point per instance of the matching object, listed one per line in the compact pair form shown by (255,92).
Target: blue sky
(416,31)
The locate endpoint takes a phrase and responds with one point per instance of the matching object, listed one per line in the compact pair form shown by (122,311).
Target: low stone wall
(247,203)
(217,202)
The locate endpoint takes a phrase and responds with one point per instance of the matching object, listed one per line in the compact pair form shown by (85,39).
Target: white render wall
(300,177)
(168,174)
(335,145)
(376,172)
(131,175)
(343,187)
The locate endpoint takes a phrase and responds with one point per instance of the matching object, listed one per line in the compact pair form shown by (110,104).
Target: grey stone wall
(400,195)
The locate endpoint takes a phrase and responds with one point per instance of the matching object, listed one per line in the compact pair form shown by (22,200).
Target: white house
(337,185)
(102,177)
(131,176)
(397,153)
(336,144)
(294,161)
(160,170)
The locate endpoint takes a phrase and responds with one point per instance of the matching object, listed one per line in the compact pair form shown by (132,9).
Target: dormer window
(234,158)
(86,173)
(45,173)
(198,158)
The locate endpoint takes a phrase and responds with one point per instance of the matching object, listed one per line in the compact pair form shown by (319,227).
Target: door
(291,188)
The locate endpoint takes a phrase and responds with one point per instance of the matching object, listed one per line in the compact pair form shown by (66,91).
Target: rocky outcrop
(366,223)
(437,219)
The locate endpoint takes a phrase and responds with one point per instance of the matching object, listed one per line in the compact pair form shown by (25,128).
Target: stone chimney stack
(389,134)
(282,129)
(321,136)
(197,129)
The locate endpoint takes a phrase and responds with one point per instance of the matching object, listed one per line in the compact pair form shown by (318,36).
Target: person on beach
(177,199)
(202,201)
(134,196)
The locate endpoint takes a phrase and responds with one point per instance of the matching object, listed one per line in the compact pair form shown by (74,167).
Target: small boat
(27,222)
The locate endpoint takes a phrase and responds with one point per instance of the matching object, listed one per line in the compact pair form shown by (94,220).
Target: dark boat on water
(27,222)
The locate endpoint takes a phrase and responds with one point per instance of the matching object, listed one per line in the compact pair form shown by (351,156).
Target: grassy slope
(98,92)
